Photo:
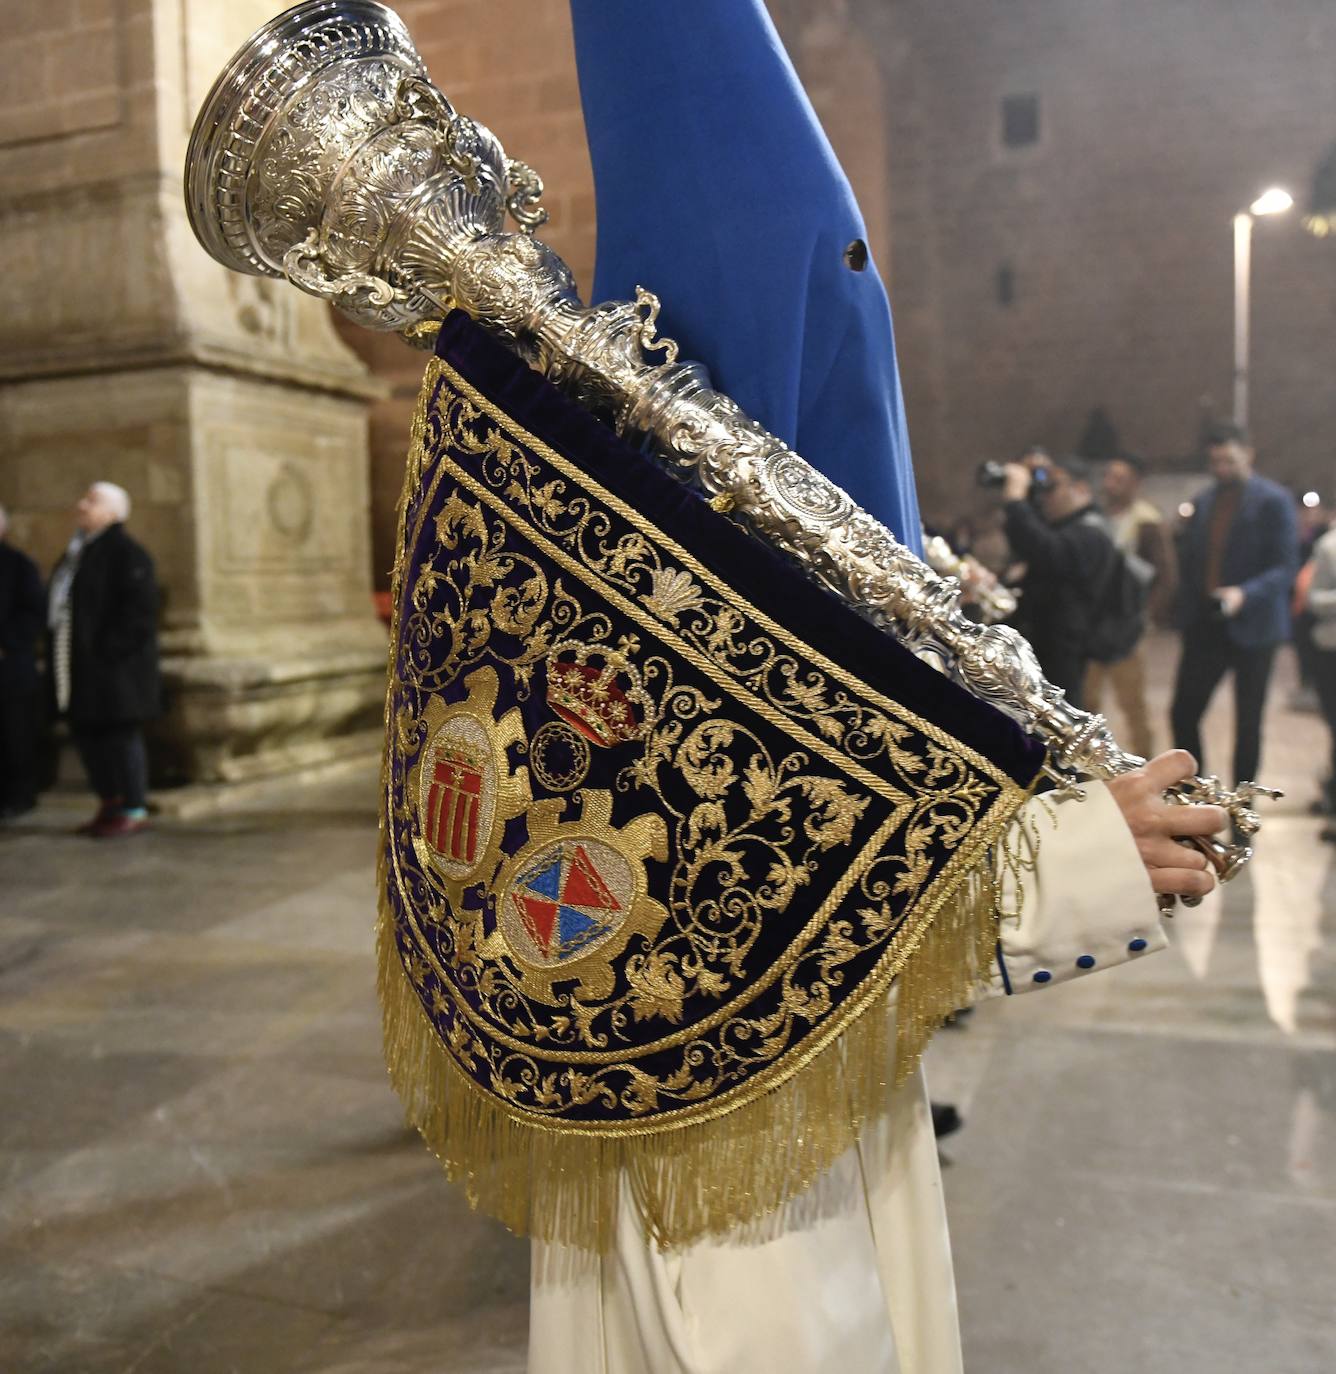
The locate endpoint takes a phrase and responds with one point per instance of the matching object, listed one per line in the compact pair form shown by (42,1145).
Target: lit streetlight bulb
(1272,202)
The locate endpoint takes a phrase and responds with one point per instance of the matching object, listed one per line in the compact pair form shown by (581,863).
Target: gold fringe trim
(951,964)
(735,1171)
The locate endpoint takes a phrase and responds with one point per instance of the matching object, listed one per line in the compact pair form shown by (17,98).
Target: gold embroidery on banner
(864,731)
(555,737)
(599,691)
(791,709)
(596,872)
(703,947)
(727,1156)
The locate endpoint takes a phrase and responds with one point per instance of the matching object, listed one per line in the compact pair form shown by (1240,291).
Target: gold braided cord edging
(715,1174)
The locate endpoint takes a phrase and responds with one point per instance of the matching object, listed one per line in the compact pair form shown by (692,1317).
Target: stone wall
(226,405)
(1157,123)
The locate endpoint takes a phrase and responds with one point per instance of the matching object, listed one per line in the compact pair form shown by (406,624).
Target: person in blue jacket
(1238,555)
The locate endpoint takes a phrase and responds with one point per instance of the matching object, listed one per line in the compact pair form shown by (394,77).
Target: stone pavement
(202,1166)
(203,1170)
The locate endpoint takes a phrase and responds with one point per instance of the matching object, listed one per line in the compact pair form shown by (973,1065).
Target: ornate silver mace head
(325,156)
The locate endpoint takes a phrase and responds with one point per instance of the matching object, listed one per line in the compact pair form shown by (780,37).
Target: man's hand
(1155,823)
(1231,600)
(1016,487)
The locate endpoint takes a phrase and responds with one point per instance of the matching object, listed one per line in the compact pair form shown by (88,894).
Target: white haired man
(102,614)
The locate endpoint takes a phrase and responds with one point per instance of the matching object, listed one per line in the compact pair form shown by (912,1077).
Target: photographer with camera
(1056,531)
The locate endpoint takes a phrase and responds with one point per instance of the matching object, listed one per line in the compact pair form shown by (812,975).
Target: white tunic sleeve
(1081,901)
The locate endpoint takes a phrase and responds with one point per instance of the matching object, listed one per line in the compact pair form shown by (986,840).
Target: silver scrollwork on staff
(994,600)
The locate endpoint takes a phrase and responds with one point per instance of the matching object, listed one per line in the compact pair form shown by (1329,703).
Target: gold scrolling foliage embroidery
(718,930)
(631,563)
(750,812)
(656,984)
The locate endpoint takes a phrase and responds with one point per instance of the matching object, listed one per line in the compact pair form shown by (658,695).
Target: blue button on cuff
(1043,976)
(1086,961)
(1136,946)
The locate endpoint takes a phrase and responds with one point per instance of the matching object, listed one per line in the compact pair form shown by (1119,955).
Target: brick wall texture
(1158,119)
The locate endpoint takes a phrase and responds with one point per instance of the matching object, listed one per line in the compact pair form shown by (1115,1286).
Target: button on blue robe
(718,190)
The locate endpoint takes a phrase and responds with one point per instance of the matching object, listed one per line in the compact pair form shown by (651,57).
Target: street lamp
(1271,202)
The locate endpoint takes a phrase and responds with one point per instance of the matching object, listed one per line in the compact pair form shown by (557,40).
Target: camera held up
(992,475)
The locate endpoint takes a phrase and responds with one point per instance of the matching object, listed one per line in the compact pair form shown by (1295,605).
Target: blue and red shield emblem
(569,897)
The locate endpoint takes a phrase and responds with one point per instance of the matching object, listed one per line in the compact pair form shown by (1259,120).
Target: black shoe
(945,1119)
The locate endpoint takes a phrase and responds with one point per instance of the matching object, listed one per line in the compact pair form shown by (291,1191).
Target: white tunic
(859,1281)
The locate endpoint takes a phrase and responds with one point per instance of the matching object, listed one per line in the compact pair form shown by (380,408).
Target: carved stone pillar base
(252,497)
(234,720)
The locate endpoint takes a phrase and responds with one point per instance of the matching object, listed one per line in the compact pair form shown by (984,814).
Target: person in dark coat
(1055,530)
(104,656)
(1238,557)
(22,615)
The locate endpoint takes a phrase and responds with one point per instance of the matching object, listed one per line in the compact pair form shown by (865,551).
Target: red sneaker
(117,825)
(105,812)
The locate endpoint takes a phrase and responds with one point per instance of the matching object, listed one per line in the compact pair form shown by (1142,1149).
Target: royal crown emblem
(598,691)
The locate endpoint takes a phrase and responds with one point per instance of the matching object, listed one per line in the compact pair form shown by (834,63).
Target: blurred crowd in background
(1095,568)
(1070,550)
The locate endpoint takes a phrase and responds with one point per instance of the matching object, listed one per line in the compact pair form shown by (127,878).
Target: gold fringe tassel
(950,964)
(702,1179)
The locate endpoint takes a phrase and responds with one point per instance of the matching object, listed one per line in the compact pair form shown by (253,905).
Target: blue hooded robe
(718,190)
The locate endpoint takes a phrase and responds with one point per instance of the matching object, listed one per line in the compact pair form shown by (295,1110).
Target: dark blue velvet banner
(662,818)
